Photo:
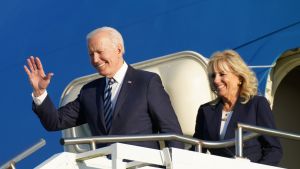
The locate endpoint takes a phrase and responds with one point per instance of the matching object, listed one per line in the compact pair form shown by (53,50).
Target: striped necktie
(108,104)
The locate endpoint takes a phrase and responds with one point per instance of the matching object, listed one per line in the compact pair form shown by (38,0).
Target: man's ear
(119,49)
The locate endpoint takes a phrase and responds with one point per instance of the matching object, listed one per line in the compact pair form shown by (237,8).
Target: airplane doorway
(287,115)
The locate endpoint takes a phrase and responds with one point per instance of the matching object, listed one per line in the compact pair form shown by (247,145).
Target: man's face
(105,56)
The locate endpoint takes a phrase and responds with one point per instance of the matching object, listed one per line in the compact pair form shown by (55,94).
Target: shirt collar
(119,76)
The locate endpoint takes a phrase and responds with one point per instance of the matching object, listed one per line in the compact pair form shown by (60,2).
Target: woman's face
(226,83)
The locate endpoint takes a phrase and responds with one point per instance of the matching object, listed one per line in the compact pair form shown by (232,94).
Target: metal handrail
(11,163)
(226,143)
(129,138)
(154,137)
(260,130)
(76,146)
(198,143)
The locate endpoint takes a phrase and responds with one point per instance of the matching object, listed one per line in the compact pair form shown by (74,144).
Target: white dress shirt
(116,87)
(226,116)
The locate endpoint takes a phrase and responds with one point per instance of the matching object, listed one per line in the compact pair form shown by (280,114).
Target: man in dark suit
(125,101)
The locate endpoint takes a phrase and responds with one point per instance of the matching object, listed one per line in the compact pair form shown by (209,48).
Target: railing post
(12,165)
(198,148)
(239,142)
(93,145)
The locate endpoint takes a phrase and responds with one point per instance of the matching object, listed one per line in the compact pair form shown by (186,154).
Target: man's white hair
(116,36)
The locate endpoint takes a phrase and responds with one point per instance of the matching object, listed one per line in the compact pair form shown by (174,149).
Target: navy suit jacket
(257,111)
(142,107)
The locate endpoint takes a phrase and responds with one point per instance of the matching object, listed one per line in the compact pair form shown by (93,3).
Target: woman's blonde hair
(229,59)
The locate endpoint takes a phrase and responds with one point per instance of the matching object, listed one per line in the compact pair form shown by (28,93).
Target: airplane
(265,33)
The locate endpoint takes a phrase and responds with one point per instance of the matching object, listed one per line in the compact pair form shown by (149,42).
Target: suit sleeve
(271,148)
(161,110)
(57,119)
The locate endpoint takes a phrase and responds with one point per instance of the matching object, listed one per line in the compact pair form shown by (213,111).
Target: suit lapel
(237,112)
(215,120)
(99,102)
(126,85)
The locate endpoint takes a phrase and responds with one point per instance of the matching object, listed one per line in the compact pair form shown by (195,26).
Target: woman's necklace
(225,115)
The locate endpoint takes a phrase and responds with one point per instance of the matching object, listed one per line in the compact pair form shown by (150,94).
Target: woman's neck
(229,103)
